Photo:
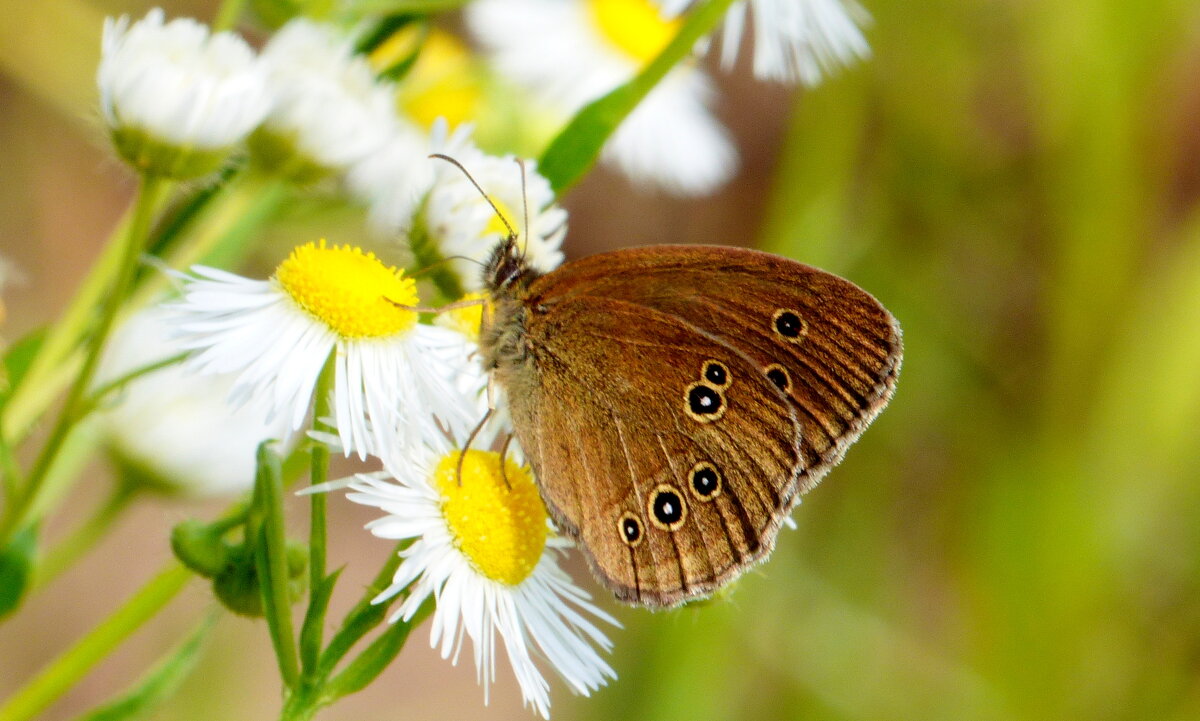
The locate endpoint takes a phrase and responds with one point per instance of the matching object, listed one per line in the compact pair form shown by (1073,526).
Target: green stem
(318,532)
(102,390)
(320,588)
(34,392)
(151,194)
(85,537)
(302,704)
(266,529)
(71,666)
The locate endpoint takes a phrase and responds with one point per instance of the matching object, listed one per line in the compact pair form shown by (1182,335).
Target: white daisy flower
(464,227)
(568,53)
(175,98)
(794,40)
(277,334)
(174,425)
(329,110)
(482,549)
(393,181)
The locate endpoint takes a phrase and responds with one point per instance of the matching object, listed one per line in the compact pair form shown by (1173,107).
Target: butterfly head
(507,271)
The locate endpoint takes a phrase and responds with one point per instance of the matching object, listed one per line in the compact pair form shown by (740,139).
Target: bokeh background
(1017,536)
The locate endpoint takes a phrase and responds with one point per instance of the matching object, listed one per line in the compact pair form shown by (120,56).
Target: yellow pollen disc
(636,27)
(496,225)
(444,82)
(348,290)
(500,528)
(465,320)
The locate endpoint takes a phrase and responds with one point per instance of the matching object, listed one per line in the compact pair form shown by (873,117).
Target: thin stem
(76,662)
(152,192)
(270,539)
(318,532)
(102,390)
(35,392)
(85,537)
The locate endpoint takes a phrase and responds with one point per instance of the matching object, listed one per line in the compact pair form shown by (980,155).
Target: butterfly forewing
(840,366)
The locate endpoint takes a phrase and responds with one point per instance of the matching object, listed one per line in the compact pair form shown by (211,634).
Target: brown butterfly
(674,402)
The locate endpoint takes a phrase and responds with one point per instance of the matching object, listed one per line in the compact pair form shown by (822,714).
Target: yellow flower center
(499,526)
(465,320)
(635,27)
(444,82)
(348,290)
(496,223)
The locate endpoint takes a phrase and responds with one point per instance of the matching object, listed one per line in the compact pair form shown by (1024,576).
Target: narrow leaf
(363,617)
(16,566)
(159,683)
(371,662)
(312,631)
(18,359)
(575,150)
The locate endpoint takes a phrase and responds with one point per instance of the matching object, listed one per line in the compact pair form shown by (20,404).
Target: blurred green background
(1017,536)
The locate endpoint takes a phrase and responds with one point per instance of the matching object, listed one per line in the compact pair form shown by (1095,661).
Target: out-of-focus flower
(465,227)
(482,548)
(278,334)
(172,426)
(567,53)
(794,40)
(328,109)
(175,98)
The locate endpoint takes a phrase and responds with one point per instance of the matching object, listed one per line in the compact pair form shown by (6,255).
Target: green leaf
(371,662)
(159,683)
(16,566)
(18,359)
(363,617)
(271,560)
(575,150)
(312,630)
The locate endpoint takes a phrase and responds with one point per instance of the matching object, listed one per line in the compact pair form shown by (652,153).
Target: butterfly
(674,402)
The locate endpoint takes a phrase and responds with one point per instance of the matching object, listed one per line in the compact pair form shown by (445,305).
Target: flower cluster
(312,108)
(342,344)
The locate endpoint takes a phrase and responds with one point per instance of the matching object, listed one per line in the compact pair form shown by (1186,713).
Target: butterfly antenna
(508,226)
(442,261)
(525,207)
(467,446)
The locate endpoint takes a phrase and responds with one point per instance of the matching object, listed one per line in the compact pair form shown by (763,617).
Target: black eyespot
(705,481)
(630,529)
(667,509)
(716,373)
(704,400)
(789,325)
(779,376)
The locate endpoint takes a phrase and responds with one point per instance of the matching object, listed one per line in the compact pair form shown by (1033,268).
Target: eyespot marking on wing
(667,508)
(704,480)
(789,325)
(704,403)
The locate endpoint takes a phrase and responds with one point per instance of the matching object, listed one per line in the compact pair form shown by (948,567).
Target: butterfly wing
(675,401)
